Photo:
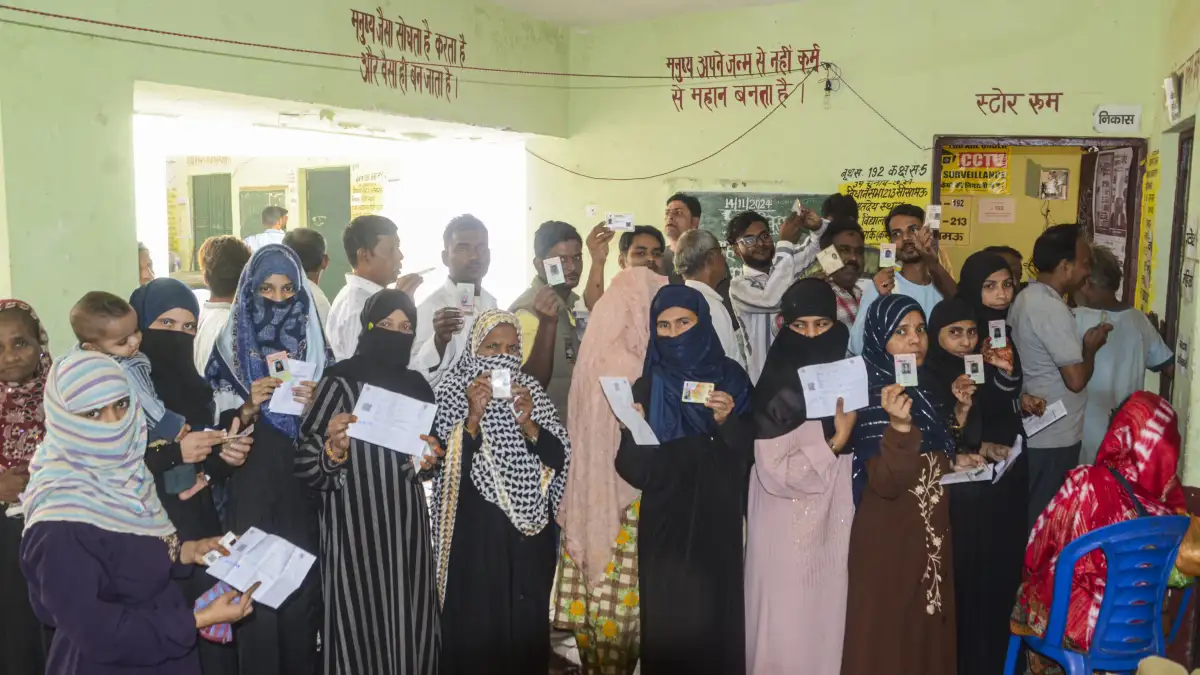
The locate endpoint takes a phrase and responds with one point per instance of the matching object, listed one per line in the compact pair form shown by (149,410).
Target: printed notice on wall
(975,170)
(997,210)
(1143,298)
(877,197)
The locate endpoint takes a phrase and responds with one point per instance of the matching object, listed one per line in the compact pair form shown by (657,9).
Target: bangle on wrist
(334,455)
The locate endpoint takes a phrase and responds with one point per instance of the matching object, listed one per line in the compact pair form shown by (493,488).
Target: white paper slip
(798,208)
(976,475)
(619,222)
(620,399)
(887,256)
(974,367)
(825,383)
(283,399)
(906,370)
(1003,465)
(830,260)
(998,334)
(554,271)
(1054,412)
(933,216)
(392,420)
(258,557)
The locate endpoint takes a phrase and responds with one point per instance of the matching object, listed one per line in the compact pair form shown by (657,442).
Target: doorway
(327,207)
(212,207)
(1170,325)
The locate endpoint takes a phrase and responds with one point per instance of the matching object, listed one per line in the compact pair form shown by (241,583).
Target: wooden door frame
(1170,329)
(1141,149)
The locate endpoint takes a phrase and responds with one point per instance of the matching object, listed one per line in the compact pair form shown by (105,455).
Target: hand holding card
(906,370)
(697,392)
(830,260)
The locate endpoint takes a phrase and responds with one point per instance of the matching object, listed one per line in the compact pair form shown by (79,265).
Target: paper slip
(887,256)
(392,420)
(619,222)
(283,399)
(830,260)
(1054,412)
(554,271)
(466,298)
(1003,465)
(258,557)
(825,383)
(974,367)
(620,399)
(798,208)
(906,370)
(933,216)
(998,334)
(697,392)
(991,473)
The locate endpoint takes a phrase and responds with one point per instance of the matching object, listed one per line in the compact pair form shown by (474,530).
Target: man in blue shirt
(921,276)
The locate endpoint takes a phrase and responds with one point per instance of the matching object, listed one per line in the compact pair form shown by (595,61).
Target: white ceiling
(596,12)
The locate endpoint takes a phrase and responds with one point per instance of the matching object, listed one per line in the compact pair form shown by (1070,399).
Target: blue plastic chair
(1140,555)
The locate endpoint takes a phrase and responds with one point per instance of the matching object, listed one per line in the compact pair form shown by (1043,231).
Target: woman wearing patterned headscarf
(900,608)
(501,482)
(801,506)
(1135,475)
(99,550)
(272,313)
(376,558)
(693,492)
(24,365)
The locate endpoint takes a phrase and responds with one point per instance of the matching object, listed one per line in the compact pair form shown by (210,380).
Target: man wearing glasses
(921,275)
(767,271)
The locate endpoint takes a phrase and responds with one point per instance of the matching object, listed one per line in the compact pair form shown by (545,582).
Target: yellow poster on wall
(876,197)
(1143,297)
(975,170)
(956,221)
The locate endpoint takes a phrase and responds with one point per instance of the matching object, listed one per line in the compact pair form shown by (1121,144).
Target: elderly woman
(273,315)
(598,579)
(99,550)
(24,365)
(376,552)
(693,492)
(500,484)
(1135,474)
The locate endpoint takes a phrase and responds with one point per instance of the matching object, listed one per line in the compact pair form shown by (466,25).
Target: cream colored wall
(67,101)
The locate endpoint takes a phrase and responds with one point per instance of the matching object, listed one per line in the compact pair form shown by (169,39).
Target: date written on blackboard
(896,171)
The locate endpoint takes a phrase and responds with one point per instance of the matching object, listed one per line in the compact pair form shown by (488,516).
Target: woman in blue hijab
(693,492)
(272,313)
(900,609)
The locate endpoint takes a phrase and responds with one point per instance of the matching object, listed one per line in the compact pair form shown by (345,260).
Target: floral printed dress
(606,618)
(900,611)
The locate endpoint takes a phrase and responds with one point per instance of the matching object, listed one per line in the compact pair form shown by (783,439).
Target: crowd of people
(753,537)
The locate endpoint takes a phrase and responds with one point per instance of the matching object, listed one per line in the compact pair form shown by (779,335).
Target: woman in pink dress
(801,500)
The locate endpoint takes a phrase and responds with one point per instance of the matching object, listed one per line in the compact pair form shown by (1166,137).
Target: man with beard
(846,237)
(642,247)
(767,271)
(440,339)
(921,276)
(546,311)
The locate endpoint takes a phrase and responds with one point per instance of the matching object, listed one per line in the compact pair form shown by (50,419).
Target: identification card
(697,392)
(830,260)
(974,365)
(501,384)
(619,222)
(466,298)
(933,217)
(887,256)
(998,334)
(554,271)
(277,366)
(798,208)
(906,370)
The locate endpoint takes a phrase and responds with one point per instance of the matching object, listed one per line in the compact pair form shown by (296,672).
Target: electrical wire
(881,116)
(689,165)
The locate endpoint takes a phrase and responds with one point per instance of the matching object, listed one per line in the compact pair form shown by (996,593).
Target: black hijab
(1003,421)
(975,271)
(171,353)
(778,399)
(942,368)
(382,356)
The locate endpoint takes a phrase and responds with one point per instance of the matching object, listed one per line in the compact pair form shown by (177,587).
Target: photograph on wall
(1053,184)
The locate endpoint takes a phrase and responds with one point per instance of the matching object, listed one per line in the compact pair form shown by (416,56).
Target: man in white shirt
(221,261)
(921,276)
(442,328)
(373,249)
(699,259)
(274,220)
(767,271)
(309,245)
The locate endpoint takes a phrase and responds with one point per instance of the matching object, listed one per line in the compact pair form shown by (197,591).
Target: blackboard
(718,208)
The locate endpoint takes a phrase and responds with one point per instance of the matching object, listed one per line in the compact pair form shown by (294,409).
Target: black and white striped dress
(377,565)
